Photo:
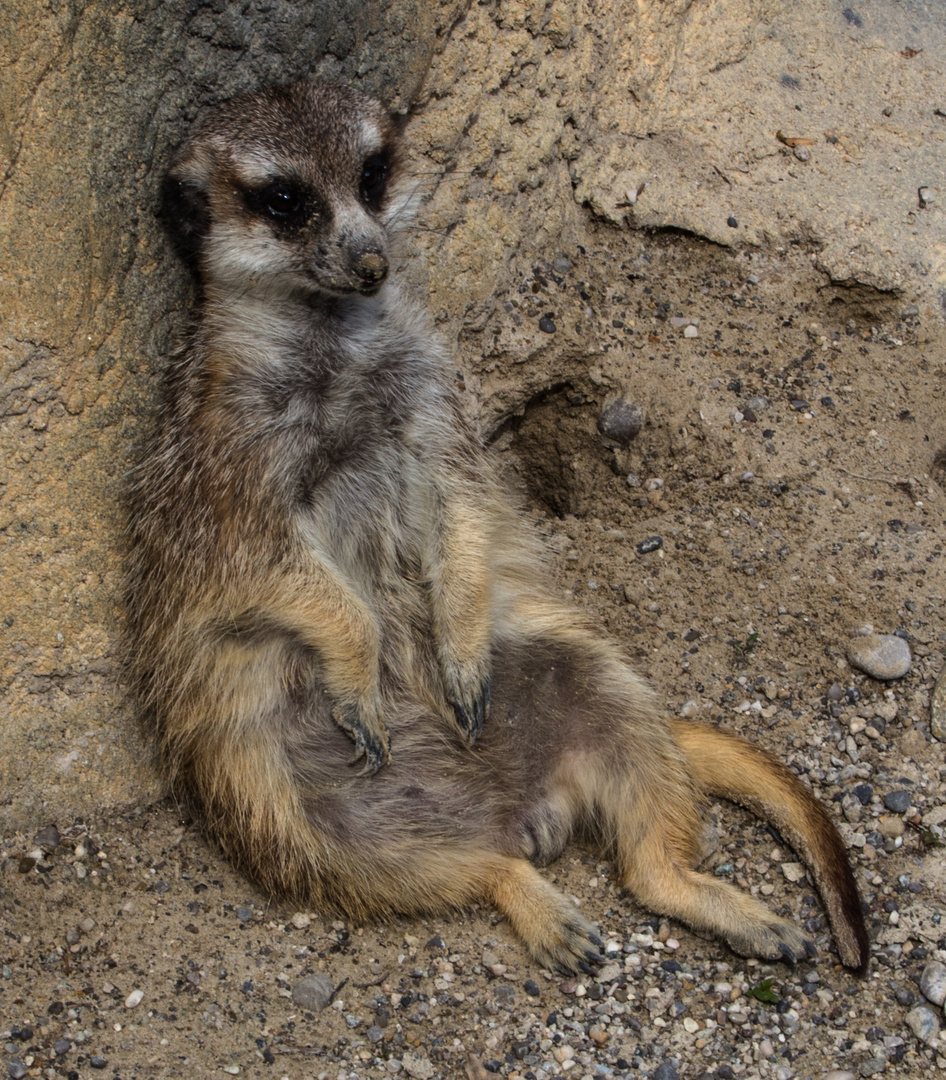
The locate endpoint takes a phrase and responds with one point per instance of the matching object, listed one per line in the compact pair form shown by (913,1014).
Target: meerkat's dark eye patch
(284,202)
(374,179)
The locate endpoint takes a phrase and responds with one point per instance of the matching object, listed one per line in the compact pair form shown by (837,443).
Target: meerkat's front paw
(371,738)
(469,696)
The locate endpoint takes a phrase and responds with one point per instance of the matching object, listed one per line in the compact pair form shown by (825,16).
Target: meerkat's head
(295,188)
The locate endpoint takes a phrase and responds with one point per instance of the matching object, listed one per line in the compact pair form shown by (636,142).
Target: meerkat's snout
(352,259)
(372,268)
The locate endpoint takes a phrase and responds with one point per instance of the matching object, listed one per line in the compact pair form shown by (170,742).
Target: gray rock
(621,421)
(933,982)
(923,1022)
(314,992)
(665,1071)
(419,1068)
(17,1069)
(872,1066)
(882,656)
(898,802)
(938,708)
(48,838)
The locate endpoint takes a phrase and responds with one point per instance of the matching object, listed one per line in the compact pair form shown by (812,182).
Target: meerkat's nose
(372,268)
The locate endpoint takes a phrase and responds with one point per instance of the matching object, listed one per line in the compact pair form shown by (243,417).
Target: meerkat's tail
(726,765)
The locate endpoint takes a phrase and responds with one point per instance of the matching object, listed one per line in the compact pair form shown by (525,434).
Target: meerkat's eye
(374,180)
(282,201)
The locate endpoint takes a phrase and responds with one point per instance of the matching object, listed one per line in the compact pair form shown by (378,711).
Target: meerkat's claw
(372,745)
(787,953)
(471,715)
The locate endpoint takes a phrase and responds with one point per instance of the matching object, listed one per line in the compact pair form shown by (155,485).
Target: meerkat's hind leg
(660,876)
(553,929)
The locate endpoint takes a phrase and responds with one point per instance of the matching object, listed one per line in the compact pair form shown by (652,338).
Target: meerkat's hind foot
(371,742)
(778,939)
(557,935)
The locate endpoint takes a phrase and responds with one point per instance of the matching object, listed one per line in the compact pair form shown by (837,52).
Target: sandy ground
(789,464)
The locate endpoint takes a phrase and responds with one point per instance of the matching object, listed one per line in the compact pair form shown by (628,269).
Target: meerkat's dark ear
(185,213)
(399,121)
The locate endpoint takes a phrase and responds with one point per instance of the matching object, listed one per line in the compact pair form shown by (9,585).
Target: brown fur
(321,556)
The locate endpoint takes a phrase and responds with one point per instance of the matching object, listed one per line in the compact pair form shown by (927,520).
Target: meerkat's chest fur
(346,405)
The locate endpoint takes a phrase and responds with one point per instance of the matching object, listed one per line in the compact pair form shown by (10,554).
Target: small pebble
(97,1061)
(546,325)
(690,332)
(882,656)
(923,1022)
(420,1068)
(665,1071)
(621,421)
(300,920)
(898,802)
(531,988)
(48,838)
(793,871)
(933,982)
(134,999)
(244,914)
(732,222)
(314,992)
(872,1066)
(652,543)
(17,1069)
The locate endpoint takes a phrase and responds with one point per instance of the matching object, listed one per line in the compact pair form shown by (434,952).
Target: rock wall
(766,125)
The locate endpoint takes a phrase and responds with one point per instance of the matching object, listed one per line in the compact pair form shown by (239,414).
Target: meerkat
(338,626)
